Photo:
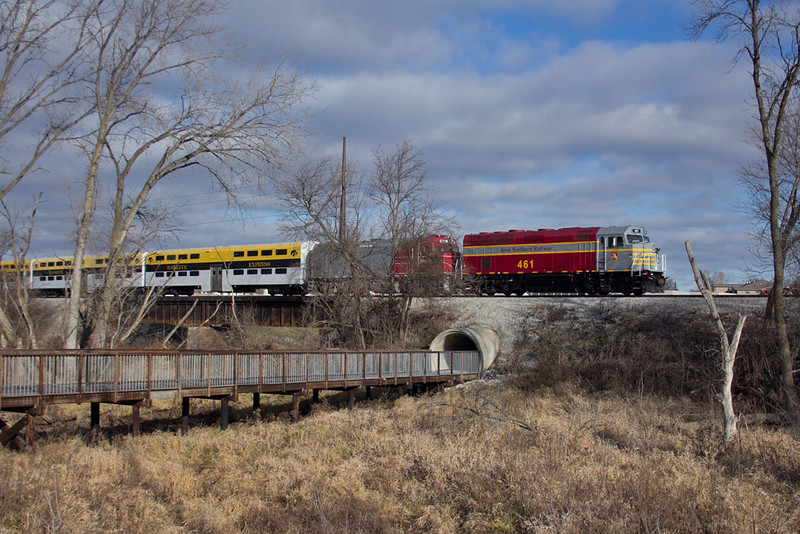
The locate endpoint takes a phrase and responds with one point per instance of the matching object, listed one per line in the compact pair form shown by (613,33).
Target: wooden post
(315,396)
(296,407)
(352,400)
(10,433)
(185,416)
(225,412)
(94,425)
(135,419)
(30,430)
(256,402)
(369,392)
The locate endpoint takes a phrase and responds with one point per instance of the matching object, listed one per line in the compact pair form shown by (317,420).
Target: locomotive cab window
(637,238)
(633,238)
(238,253)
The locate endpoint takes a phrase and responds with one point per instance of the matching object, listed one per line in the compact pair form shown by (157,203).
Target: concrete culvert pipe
(480,337)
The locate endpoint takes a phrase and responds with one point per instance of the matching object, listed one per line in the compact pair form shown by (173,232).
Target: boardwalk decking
(32,380)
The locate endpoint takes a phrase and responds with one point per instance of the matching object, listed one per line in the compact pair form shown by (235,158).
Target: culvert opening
(458,341)
(481,338)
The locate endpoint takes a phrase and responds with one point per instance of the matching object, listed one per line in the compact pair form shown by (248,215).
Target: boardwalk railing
(31,378)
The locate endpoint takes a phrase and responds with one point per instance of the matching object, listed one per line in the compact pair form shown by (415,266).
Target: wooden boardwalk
(29,381)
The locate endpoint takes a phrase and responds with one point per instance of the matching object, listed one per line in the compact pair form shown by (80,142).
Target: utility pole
(343,197)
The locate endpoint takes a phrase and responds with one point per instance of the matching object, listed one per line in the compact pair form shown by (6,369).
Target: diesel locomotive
(592,261)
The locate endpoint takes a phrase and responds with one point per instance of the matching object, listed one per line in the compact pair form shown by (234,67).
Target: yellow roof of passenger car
(222,254)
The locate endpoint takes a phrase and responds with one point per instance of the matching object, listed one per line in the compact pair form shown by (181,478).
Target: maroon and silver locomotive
(596,260)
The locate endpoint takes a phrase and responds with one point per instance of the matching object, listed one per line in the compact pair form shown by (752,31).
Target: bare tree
(232,132)
(727,348)
(41,49)
(408,217)
(360,294)
(17,244)
(769,35)
(339,267)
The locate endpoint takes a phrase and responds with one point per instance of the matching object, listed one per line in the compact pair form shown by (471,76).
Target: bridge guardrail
(116,373)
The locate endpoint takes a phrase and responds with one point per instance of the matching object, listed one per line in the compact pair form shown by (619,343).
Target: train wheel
(590,289)
(626,287)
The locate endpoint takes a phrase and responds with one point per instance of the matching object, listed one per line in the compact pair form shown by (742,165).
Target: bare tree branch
(768,33)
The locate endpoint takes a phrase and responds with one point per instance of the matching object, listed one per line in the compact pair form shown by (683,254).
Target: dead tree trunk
(728,349)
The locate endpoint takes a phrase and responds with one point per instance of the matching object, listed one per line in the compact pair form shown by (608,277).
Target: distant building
(724,287)
(754,288)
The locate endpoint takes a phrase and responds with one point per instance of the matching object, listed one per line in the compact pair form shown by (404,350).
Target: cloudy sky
(530,114)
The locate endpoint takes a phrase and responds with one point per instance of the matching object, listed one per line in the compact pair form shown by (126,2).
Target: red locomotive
(597,260)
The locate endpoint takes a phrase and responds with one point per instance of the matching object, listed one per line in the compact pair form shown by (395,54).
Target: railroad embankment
(514,317)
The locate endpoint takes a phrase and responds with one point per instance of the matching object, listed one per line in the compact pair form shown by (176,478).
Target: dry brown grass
(615,430)
(501,456)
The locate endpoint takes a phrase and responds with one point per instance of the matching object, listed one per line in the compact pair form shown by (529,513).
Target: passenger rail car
(597,260)
(276,268)
(51,276)
(272,268)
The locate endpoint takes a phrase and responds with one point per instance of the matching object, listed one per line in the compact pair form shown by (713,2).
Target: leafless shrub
(664,354)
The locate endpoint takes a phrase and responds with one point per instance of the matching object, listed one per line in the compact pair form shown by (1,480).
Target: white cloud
(524,130)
